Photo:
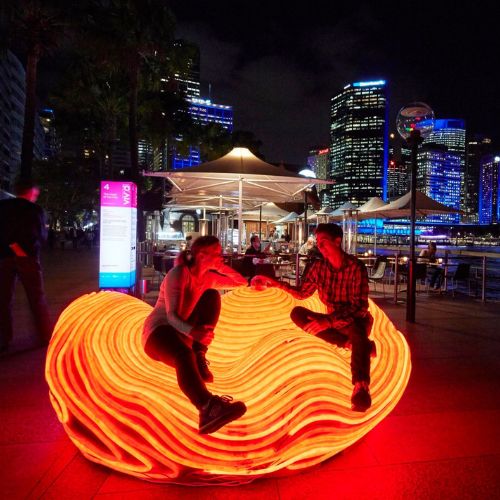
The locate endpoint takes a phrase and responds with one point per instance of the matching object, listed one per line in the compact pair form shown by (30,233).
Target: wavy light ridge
(125,411)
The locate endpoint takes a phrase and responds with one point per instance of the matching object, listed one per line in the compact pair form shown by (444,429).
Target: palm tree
(91,107)
(126,33)
(39,30)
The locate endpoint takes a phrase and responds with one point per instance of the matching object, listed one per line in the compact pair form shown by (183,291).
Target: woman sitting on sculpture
(181,327)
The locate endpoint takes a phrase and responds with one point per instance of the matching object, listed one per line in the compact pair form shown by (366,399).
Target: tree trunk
(29,117)
(132,121)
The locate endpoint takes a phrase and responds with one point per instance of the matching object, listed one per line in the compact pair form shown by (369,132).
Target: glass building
(489,190)
(317,161)
(439,177)
(358,143)
(477,147)
(450,132)
(12,99)
(203,111)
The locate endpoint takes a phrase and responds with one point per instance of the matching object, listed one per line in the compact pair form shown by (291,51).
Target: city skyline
(279,69)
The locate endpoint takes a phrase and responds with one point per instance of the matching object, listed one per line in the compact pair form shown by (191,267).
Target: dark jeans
(356,333)
(29,272)
(173,348)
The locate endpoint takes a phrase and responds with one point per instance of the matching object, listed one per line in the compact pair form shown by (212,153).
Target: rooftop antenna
(209,91)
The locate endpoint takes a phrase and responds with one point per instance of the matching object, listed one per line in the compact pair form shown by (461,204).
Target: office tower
(187,82)
(439,177)
(359,143)
(52,144)
(451,133)
(397,170)
(12,99)
(203,112)
(397,179)
(477,147)
(317,161)
(12,96)
(489,190)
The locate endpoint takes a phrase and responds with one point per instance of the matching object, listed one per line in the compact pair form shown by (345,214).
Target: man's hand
(261,282)
(202,334)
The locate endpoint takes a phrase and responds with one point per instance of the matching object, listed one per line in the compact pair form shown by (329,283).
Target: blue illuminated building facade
(439,177)
(489,190)
(359,145)
(203,112)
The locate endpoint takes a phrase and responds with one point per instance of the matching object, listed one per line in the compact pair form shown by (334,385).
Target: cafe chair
(421,276)
(462,273)
(378,276)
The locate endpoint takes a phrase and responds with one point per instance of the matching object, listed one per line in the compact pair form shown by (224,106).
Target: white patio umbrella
(269,211)
(372,204)
(400,208)
(239,175)
(338,213)
(291,217)
(266,212)
(324,214)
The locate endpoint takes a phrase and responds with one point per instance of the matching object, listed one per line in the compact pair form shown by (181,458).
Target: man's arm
(307,287)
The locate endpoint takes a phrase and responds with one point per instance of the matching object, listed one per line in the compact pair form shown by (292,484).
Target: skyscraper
(203,112)
(12,99)
(187,82)
(317,161)
(450,132)
(477,147)
(359,143)
(489,190)
(439,177)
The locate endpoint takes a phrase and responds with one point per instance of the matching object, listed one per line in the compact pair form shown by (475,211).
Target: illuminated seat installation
(125,411)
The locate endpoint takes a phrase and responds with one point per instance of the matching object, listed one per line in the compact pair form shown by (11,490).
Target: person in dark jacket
(22,232)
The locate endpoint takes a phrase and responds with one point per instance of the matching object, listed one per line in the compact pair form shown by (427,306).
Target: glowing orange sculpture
(125,411)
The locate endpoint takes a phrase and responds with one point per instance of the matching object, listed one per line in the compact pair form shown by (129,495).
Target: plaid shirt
(344,291)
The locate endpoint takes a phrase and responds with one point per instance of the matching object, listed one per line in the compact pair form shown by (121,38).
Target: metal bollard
(143,288)
(483,281)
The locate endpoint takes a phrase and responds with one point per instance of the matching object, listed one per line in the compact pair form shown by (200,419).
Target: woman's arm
(226,277)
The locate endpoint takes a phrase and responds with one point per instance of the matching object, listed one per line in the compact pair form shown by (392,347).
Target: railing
(484,271)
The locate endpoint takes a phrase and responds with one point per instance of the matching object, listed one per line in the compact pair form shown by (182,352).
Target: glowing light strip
(125,411)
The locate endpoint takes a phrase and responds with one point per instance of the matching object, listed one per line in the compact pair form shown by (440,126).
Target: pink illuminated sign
(118,194)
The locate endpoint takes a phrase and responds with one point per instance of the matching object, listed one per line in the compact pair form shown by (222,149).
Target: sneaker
(203,363)
(361,399)
(218,412)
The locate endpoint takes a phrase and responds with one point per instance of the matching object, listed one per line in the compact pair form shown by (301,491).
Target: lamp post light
(414,122)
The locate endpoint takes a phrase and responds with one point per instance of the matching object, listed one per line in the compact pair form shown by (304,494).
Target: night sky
(279,63)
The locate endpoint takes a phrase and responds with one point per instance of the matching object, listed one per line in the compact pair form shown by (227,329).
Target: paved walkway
(442,440)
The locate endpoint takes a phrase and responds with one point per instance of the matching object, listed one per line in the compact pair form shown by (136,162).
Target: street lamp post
(414,122)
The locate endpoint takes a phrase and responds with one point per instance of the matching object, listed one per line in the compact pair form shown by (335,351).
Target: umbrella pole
(240,213)
(260,221)
(375,238)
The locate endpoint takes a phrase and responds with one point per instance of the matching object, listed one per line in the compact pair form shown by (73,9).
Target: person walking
(22,232)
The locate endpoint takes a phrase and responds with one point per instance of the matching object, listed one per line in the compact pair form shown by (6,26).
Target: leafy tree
(38,29)
(247,139)
(125,33)
(69,188)
(91,109)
